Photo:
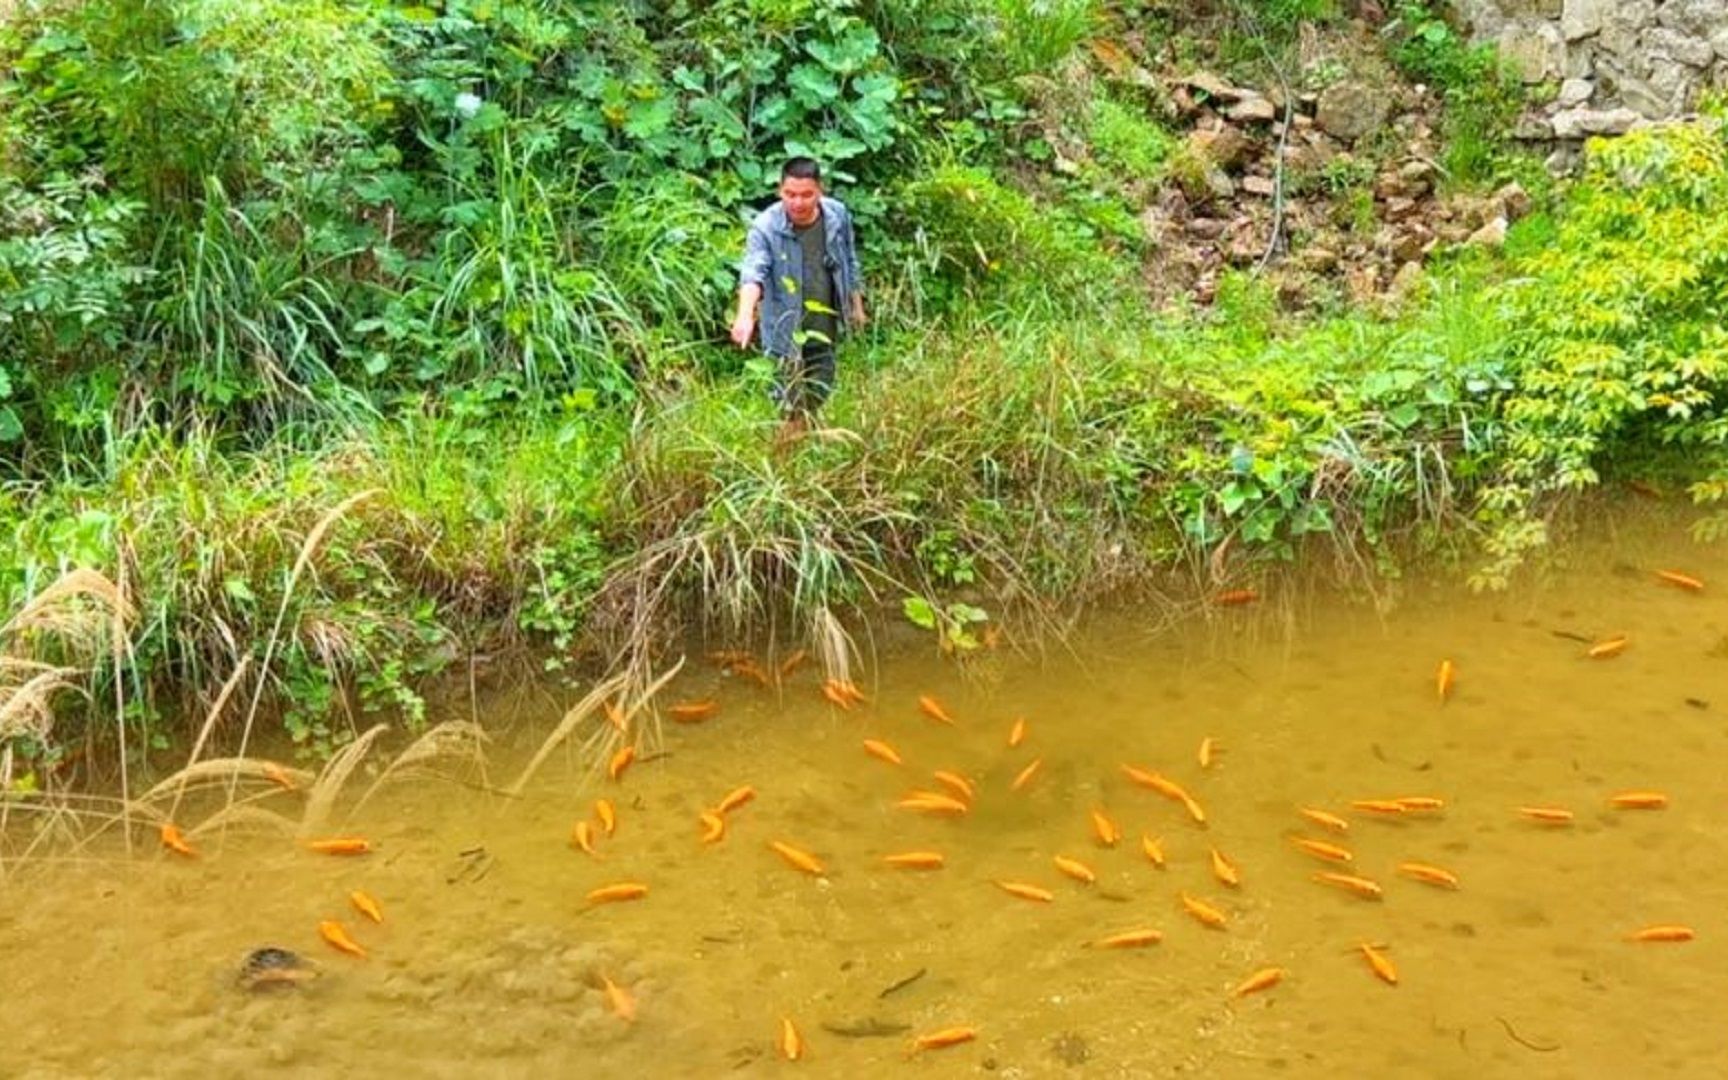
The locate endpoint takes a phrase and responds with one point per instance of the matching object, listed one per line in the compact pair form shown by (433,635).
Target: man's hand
(743,328)
(857,318)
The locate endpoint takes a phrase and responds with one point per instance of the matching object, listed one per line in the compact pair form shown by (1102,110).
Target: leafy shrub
(1620,337)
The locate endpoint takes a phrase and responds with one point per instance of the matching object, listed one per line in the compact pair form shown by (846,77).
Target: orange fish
(1190,804)
(728,657)
(1105,829)
(614,715)
(934,710)
(1639,800)
(340,845)
(1017,734)
(713,826)
(1444,678)
(851,691)
(931,802)
(1662,933)
(1225,870)
(1605,650)
(735,798)
(582,836)
(619,1000)
(792,662)
(961,786)
(1684,581)
(1361,886)
(1026,892)
(1548,815)
(620,761)
(835,695)
(791,1043)
(276,775)
(1419,803)
(1129,939)
(1320,849)
(1324,819)
(332,931)
(1206,913)
(1153,849)
(749,669)
(623,890)
(1379,964)
(1264,979)
(1208,748)
(797,858)
(367,906)
(1147,779)
(1432,875)
(1076,869)
(915,860)
(936,1040)
(1378,806)
(1025,775)
(174,840)
(692,712)
(878,749)
(1235,597)
(608,816)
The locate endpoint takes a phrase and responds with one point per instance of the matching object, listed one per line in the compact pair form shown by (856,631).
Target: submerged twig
(1522,1041)
(904,983)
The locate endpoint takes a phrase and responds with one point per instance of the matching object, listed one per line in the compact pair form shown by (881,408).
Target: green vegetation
(347,340)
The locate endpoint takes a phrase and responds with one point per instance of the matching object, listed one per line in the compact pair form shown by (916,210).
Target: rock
(1580,19)
(1562,162)
(1349,110)
(1687,49)
(1513,200)
(1578,123)
(1409,244)
(1694,18)
(1258,185)
(1223,146)
(1318,259)
(1623,23)
(1399,208)
(1537,52)
(1206,228)
(1574,92)
(1252,109)
(1666,91)
(1416,172)
(1532,128)
(1406,278)
(1491,235)
(1533,9)
(1212,86)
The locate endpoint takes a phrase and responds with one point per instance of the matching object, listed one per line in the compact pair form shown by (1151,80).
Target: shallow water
(126,968)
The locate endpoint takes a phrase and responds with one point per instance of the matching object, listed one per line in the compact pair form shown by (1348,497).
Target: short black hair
(801,168)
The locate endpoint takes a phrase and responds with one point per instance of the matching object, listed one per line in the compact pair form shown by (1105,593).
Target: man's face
(801,198)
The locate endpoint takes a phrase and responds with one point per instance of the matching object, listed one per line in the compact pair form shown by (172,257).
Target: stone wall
(1616,61)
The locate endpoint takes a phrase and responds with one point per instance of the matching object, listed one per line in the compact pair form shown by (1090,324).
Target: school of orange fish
(960,794)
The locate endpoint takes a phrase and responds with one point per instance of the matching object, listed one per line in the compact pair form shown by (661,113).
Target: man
(801,267)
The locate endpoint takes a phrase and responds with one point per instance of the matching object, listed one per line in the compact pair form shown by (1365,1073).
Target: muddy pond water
(492,963)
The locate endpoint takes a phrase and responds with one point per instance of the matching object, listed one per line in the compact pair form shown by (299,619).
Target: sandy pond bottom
(116,967)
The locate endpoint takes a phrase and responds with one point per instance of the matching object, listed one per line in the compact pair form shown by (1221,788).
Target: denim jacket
(774,259)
